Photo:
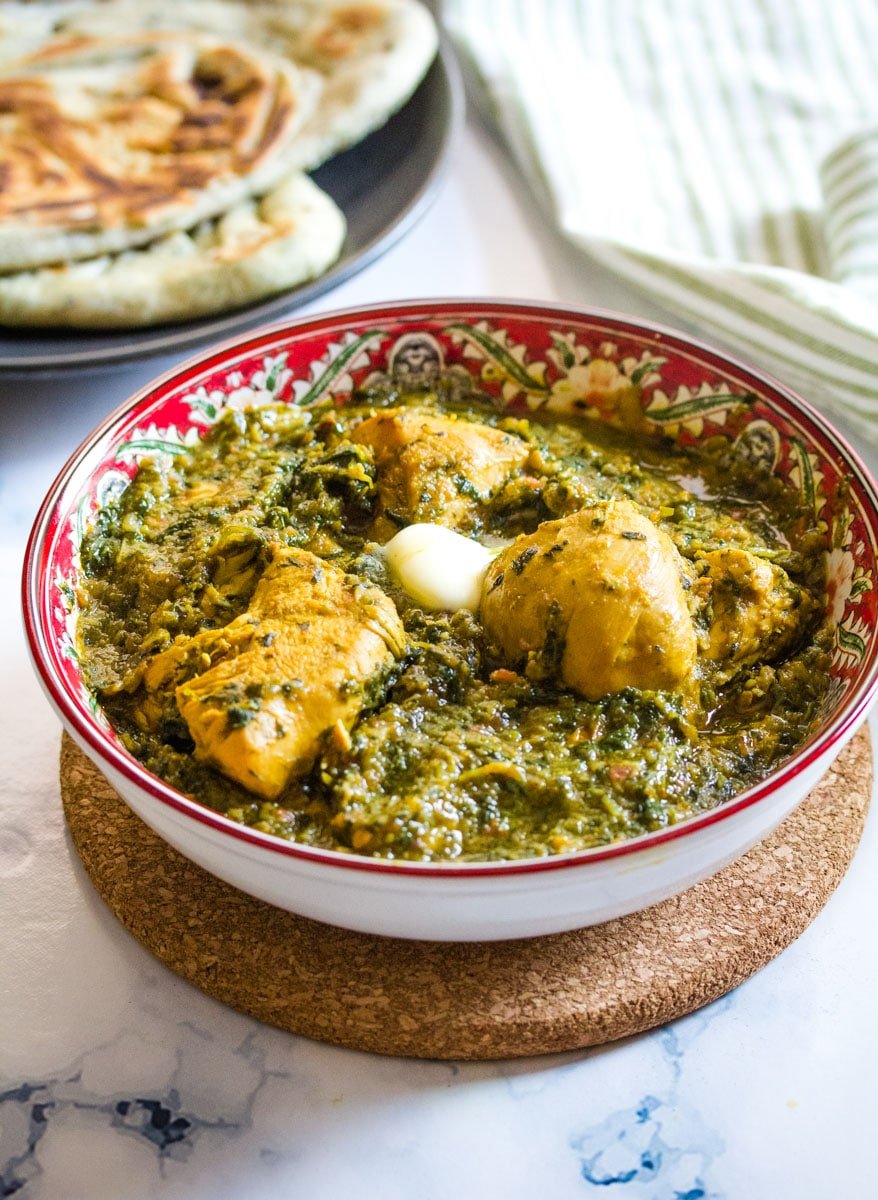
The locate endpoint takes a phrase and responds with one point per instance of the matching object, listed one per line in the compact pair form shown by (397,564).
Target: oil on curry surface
(647,636)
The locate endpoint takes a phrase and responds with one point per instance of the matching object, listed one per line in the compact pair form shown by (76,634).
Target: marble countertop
(119,1081)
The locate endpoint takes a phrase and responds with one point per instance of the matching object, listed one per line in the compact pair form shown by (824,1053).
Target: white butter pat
(440,569)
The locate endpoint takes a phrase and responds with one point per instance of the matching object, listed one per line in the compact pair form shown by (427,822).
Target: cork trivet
(469,1001)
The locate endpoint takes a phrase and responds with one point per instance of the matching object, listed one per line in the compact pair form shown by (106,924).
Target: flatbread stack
(152,154)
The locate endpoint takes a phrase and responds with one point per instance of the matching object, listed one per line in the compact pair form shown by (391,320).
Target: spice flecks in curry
(648,640)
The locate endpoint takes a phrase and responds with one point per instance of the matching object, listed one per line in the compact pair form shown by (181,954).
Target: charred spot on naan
(129,134)
(342,34)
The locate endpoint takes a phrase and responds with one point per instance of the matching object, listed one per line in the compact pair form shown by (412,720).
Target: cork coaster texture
(476,1000)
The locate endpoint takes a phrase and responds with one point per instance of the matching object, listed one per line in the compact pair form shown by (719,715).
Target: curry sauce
(649,641)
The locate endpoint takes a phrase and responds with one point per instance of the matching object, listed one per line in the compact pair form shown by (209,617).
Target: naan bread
(111,141)
(370,54)
(256,249)
(107,142)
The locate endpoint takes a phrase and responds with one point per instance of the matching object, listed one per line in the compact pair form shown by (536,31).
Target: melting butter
(440,569)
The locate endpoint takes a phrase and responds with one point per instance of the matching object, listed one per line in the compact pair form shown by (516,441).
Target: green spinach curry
(646,641)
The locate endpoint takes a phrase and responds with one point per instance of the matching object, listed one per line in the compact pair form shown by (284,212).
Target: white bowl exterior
(486,907)
(402,900)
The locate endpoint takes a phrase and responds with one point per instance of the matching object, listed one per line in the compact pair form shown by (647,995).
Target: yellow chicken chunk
(259,694)
(436,468)
(757,610)
(596,598)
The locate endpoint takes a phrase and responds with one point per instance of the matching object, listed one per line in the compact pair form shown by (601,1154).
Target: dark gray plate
(383,186)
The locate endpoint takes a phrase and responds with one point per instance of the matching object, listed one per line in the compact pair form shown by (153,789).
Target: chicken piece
(258,695)
(756,609)
(595,598)
(436,468)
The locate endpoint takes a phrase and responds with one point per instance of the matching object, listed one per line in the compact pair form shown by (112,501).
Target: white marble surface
(117,1080)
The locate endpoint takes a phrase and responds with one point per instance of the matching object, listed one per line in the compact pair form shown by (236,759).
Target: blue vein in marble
(27,1110)
(659,1148)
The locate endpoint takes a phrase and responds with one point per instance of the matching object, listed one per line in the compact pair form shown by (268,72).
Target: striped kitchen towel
(722,155)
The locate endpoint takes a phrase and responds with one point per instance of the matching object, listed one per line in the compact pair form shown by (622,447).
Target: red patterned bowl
(531,357)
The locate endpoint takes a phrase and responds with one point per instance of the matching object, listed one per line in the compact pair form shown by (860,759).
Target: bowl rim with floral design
(39,588)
